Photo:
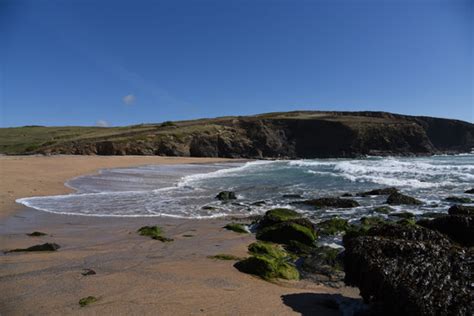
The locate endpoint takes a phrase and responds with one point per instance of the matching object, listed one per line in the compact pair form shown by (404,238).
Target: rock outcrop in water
(410,270)
(302,134)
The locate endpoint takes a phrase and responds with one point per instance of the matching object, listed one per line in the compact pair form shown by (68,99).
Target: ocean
(188,191)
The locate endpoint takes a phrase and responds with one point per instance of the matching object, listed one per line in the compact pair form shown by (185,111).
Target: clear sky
(81,62)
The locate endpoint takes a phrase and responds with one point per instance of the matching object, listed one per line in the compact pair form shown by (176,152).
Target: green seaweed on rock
(155,232)
(87,300)
(235,227)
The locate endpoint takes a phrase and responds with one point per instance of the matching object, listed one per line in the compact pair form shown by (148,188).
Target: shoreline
(135,274)
(26,176)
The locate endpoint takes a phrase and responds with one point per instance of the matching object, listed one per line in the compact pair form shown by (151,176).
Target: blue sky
(81,62)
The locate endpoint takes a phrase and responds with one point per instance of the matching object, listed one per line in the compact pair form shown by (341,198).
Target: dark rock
(87,272)
(37,234)
(44,247)
(346,195)
(405,215)
(324,265)
(399,199)
(432,214)
(208,208)
(470,191)
(459,228)
(410,270)
(330,202)
(384,191)
(461,210)
(226,195)
(458,199)
(259,203)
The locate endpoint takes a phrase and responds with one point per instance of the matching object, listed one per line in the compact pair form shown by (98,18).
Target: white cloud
(102,123)
(129,99)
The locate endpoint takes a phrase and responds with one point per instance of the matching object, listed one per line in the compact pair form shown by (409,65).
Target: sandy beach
(135,274)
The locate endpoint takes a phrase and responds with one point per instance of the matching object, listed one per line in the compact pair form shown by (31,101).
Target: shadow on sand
(323,304)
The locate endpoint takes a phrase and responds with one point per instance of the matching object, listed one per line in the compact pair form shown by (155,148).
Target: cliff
(273,135)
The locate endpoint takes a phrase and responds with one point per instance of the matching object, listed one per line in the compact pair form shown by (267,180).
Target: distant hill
(301,134)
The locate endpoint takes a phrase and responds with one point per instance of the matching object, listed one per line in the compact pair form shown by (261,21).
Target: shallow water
(183,190)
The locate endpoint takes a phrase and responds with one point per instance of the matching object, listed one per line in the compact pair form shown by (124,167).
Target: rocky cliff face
(285,135)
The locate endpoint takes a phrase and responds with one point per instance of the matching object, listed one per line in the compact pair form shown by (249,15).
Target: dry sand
(135,274)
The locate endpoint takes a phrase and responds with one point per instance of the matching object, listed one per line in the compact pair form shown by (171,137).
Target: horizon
(82,64)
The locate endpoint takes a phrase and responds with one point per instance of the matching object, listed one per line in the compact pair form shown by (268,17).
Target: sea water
(189,190)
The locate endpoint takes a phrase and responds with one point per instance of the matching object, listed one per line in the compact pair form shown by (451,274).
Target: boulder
(384,191)
(459,228)
(226,196)
(268,268)
(43,247)
(402,199)
(268,261)
(461,210)
(410,270)
(37,234)
(470,191)
(458,199)
(285,232)
(330,202)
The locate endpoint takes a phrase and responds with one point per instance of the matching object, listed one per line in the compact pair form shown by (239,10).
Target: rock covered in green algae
(155,232)
(278,215)
(384,191)
(268,249)
(402,199)
(332,226)
(284,225)
(287,231)
(236,227)
(458,199)
(366,223)
(87,300)
(330,202)
(223,256)
(37,234)
(43,247)
(268,261)
(461,210)
(226,196)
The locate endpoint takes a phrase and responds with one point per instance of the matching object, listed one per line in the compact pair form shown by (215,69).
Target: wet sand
(135,274)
